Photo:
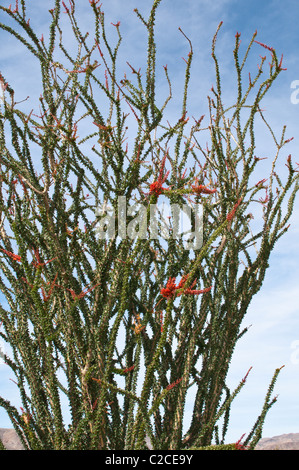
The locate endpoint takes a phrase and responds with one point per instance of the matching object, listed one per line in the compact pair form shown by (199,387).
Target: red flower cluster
(11,255)
(38,261)
(156,186)
(171,288)
(201,189)
(82,294)
(239,446)
(47,296)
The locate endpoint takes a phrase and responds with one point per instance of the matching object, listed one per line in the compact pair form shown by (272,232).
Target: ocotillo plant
(121,327)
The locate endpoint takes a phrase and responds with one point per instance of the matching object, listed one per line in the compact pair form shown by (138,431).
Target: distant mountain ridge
(282,442)
(290,441)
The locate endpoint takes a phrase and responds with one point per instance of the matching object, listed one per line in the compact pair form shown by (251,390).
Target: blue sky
(274,311)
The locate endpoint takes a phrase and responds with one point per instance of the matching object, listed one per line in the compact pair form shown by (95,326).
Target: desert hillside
(282,442)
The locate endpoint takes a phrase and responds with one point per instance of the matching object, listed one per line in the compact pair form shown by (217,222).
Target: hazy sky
(273,339)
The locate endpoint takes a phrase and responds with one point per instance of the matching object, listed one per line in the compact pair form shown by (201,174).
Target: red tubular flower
(245,378)
(38,262)
(239,446)
(184,174)
(171,288)
(183,118)
(280,63)
(94,2)
(47,296)
(264,45)
(128,369)
(264,201)
(170,386)
(82,294)
(156,186)
(197,291)
(261,182)
(201,189)
(66,9)
(12,255)
(232,213)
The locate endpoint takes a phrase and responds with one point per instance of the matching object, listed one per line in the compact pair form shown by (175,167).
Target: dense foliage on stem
(89,318)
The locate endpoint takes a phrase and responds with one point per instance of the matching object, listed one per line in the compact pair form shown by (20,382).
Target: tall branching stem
(104,316)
